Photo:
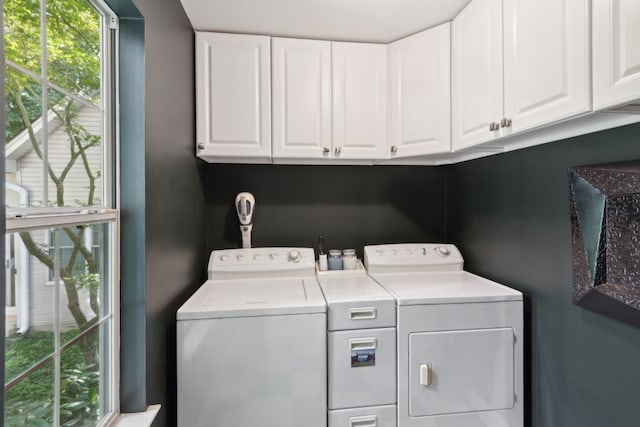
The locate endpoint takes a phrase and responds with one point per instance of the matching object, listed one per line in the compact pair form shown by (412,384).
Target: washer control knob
(294,255)
(394,252)
(273,255)
(240,257)
(257,257)
(443,251)
(223,258)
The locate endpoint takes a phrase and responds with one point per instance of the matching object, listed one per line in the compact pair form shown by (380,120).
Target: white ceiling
(380,21)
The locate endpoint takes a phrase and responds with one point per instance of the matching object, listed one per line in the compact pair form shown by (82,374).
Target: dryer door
(460,371)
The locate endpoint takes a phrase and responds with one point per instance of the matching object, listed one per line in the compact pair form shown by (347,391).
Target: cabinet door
(233,96)
(546,61)
(616,56)
(301,98)
(476,37)
(359,101)
(421,93)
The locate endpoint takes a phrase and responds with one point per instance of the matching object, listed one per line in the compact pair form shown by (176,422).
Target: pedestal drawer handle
(356,344)
(366,421)
(363,313)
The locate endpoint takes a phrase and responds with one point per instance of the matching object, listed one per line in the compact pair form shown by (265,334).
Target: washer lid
(444,287)
(254,297)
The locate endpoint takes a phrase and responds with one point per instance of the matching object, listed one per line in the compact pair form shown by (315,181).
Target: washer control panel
(261,262)
(412,257)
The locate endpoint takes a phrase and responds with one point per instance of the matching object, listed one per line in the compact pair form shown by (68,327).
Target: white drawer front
(362,368)
(374,416)
(362,315)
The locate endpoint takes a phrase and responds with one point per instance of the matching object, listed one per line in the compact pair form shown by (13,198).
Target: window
(77,265)
(62,226)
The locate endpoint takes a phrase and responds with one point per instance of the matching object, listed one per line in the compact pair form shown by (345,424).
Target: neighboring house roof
(21,143)
(22,160)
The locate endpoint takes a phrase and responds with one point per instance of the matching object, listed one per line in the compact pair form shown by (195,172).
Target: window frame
(31,219)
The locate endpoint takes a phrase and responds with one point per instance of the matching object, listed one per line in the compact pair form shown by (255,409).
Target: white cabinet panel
(616,56)
(359,100)
(233,96)
(373,416)
(301,98)
(421,93)
(477,78)
(546,61)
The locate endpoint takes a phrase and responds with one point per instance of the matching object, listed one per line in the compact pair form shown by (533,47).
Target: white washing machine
(460,339)
(361,320)
(251,343)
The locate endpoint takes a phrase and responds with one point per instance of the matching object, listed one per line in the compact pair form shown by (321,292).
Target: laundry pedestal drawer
(378,416)
(362,368)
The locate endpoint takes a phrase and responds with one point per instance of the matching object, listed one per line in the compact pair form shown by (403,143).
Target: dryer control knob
(443,251)
(294,256)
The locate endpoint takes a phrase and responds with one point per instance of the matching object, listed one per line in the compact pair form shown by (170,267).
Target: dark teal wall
(132,213)
(509,214)
(166,255)
(351,206)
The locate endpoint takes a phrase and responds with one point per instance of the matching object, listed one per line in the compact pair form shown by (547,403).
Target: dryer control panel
(261,262)
(412,257)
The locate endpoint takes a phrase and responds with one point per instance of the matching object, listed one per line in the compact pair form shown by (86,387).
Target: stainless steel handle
(494,126)
(337,151)
(326,150)
(505,122)
(394,149)
(200,146)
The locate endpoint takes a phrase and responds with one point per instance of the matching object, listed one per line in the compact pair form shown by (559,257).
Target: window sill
(137,419)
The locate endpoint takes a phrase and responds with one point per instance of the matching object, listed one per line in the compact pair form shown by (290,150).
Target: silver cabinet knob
(326,150)
(337,151)
(200,146)
(394,149)
(505,122)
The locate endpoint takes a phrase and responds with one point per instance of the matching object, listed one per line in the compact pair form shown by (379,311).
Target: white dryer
(251,343)
(460,339)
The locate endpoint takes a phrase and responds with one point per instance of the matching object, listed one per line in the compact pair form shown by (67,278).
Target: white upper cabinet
(616,52)
(301,98)
(477,80)
(546,61)
(329,100)
(233,103)
(420,110)
(359,101)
